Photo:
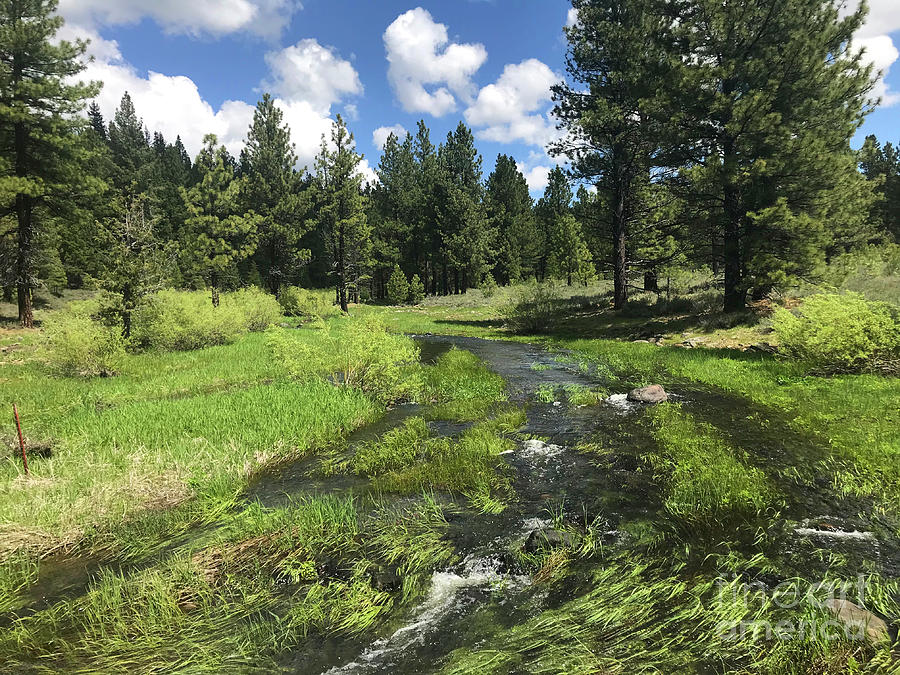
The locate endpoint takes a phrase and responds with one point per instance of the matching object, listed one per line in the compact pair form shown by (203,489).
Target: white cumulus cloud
(882,52)
(509,110)
(309,72)
(380,135)
(421,56)
(537,177)
(213,17)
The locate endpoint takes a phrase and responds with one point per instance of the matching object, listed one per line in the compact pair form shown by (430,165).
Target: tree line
(697,134)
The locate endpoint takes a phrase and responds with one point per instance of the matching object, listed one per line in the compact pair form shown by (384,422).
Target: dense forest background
(699,136)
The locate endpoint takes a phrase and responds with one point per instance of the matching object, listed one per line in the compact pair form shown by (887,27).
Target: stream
(467,601)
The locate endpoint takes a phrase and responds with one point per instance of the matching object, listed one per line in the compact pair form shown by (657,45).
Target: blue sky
(198,66)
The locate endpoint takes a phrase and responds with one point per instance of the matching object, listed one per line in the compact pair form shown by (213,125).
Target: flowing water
(467,601)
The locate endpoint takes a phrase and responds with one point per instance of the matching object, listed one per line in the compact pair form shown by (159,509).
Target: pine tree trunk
(23,216)
(735,296)
(342,272)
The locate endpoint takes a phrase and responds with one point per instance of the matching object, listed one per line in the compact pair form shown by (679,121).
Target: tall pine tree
(613,110)
(42,156)
(275,189)
(341,211)
(770,95)
(511,212)
(219,233)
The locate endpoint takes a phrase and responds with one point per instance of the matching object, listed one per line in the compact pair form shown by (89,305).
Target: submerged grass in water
(409,460)
(272,579)
(708,484)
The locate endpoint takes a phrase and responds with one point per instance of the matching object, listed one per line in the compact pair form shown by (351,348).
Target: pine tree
(569,257)
(612,111)
(219,233)
(79,238)
(416,290)
(135,261)
(425,228)
(769,97)
(95,117)
(881,165)
(168,171)
(395,204)
(341,210)
(42,157)
(511,212)
(550,209)
(397,287)
(48,264)
(467,240)
(275,189)
(130,148)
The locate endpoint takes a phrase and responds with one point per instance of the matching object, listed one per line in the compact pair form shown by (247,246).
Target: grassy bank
(170,427)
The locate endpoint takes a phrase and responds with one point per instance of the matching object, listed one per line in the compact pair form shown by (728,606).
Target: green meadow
(145,480)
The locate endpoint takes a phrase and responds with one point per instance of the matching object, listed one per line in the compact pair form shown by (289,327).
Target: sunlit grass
(708,485)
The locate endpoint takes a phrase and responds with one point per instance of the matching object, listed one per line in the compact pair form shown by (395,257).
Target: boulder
(652,394)
(861,622)
(386,579)
(545,539)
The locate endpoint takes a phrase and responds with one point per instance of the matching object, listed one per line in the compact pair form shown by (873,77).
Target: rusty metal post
(21,440)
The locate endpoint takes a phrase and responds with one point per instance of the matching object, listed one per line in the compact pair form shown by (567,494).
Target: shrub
(416,290)
(488,286)
(182,320)
(259,309)
(356,352)
(397,287)
(533,308)
(79,344)
(306,304)
(841,333)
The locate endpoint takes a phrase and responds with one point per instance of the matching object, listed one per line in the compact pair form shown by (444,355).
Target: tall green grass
(636,617)
(708,485)
(854,418)
(271,578)
(171,426)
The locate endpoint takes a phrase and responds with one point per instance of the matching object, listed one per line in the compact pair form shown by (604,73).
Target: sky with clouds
(198,66)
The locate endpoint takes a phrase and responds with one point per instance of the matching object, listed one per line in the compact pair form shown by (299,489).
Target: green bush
(841,333)
(182,320)
(306,304)
(259,309)
(397,287)
(354,352)
(416,290)
(488,286)
(533,308)
(78,344)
